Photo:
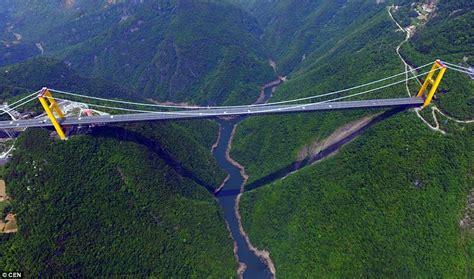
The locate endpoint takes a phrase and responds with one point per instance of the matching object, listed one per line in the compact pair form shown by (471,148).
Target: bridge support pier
(51,107)
(439,69)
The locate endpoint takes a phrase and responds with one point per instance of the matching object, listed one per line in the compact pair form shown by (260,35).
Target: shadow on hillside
(281,173)
(123,134)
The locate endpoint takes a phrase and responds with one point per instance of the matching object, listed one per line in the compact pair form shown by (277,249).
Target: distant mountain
(298,32)
(36,73)
(199,51)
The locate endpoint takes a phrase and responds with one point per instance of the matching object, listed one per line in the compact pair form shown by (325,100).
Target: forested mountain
(390,202)
(38,72)
(117,202)
(201,51)
(128,200)
(301,32)
(450,36)
(363,54)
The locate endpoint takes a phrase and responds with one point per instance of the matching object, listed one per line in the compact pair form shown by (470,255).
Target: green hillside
(367,53)
(301,33)
(36,73)
(449,38)
(147,185)
(71,197)
(390,203)
(387,205)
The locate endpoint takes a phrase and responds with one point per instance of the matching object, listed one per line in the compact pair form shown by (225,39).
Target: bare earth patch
(339,134)
(273,84)
(3,190)
(8,225)
(467,222)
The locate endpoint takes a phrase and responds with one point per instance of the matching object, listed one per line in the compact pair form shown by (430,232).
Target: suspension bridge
(56,118)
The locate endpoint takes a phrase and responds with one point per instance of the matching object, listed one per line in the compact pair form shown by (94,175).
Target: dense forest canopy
(138,199)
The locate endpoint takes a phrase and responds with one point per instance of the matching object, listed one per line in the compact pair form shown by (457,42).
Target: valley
(349,193)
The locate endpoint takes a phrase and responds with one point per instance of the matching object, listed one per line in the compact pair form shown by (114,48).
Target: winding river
(251,265)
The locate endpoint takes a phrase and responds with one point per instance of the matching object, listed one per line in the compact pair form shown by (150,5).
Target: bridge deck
(211,113)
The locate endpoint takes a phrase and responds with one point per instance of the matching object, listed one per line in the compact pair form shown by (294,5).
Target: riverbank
(309,151)
(271,85)
(265,94)
(252,263)
(262,254)
(314,153)
(249,264)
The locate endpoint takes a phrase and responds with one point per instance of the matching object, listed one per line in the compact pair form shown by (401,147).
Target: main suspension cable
(248,112)
(237,106)
(457,66)
(26,97)
(461,71)
(17,106)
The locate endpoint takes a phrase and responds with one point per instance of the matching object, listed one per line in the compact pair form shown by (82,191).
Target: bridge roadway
(211,113)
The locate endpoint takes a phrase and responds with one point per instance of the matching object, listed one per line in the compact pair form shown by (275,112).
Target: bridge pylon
(439,69)
(51,108)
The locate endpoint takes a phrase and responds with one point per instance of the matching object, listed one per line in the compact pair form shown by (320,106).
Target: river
(252,265)
(255,267)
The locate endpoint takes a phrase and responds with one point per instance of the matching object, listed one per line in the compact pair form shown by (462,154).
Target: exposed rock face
(467,222)
(312,149)
(69,3)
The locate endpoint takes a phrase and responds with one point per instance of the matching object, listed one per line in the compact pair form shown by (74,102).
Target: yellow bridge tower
(439,69)
(51,107)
